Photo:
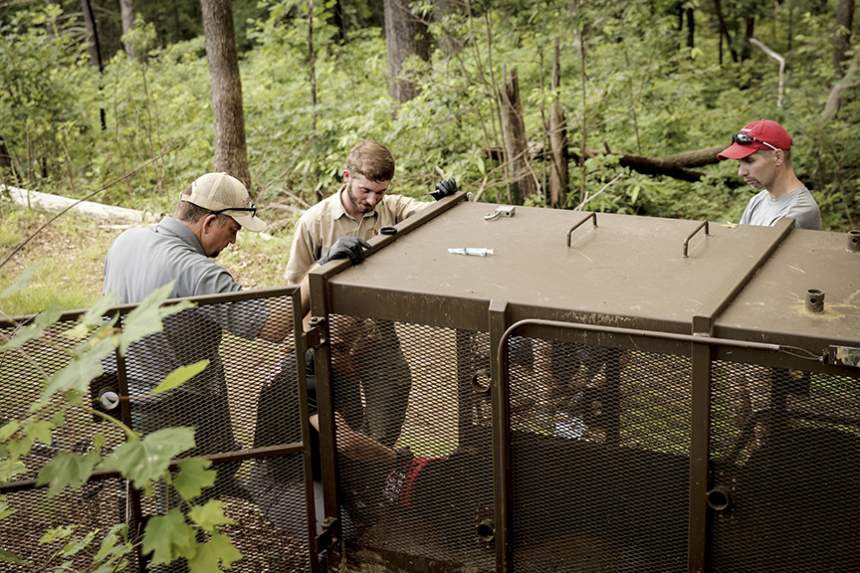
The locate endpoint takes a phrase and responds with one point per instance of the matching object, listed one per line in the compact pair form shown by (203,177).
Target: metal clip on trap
(501,211)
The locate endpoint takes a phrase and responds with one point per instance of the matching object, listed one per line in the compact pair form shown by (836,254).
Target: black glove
(444,188)
(351,248)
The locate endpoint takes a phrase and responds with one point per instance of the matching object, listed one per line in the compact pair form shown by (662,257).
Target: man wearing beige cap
(181,249)
(763,151)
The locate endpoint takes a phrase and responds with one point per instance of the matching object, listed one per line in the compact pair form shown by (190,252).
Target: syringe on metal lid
(471,251)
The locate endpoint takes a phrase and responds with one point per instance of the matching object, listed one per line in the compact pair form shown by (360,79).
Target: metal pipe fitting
(720,498)
(815,300)
(854,241)
(486,530)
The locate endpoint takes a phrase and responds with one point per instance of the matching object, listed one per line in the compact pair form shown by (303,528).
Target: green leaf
(193,477)
(40,431)
(95,314)
(77,374)
(147,318)
(208,517)
(8,430)
(180,376)
(144,461)
(77,545)
(67,469)
(219,549)
(58,419)
(9,468)
(168,537)
(57,534)
(5,510)
(9,557)
(114,544)
(20,283)
(33,330)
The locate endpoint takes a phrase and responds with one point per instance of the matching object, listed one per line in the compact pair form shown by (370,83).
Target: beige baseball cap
(224,194)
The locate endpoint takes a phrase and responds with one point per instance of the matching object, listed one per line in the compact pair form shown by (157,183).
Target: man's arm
(357,446)
(279,321)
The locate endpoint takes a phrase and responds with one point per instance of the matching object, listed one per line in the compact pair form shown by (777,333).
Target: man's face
(363,193)
(218,232)
(759,170)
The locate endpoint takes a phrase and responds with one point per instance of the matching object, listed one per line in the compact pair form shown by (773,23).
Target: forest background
(632,97)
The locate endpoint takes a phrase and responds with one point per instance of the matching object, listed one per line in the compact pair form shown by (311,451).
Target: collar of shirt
(178,229)
(338,210)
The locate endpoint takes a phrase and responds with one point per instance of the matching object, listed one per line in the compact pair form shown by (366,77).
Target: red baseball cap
(761,134)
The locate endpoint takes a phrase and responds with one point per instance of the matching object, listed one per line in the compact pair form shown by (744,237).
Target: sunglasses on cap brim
(747,139)
(252,210)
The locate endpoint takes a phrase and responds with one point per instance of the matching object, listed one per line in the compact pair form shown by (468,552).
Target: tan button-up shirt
(327,221)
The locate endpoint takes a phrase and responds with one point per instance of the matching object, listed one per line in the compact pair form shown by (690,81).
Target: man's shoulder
(320,210)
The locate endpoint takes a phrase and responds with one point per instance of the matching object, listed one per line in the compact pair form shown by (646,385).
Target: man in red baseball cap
(763,152)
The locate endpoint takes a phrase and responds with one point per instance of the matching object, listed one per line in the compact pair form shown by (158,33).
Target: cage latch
(315,335)
(842,356)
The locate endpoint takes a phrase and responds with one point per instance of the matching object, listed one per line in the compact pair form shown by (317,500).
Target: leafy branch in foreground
(189,530)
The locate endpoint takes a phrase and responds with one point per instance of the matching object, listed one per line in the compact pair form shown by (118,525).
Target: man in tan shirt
(337,227)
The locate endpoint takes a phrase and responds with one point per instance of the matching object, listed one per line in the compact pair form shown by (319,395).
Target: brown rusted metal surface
(772,309)
(608,274)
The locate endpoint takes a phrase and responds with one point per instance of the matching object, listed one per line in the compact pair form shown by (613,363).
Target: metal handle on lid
(691,235)
(575,227)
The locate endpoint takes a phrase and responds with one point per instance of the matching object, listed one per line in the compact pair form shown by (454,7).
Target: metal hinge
(325,538)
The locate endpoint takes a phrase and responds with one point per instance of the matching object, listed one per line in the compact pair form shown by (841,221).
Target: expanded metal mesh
(786,446)
(97,505)
(384,373)
(23,372)
(599,457)
(249,388)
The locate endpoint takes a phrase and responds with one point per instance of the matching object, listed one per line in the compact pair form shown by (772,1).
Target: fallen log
(676,166)
(57,203)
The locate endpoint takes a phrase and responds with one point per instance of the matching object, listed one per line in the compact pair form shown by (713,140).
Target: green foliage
(194,476)
(168,537)
(180,376)
(629,84)
(143,460)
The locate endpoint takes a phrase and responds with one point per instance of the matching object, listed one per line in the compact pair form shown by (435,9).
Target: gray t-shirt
(799,205)
(144,259)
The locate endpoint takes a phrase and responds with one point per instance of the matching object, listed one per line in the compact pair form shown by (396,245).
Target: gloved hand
(444,188)
(351,248)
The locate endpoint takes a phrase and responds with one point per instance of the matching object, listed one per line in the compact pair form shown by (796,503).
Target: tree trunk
(94,48)
(558,175)
(231,154)
(834,99)
(126,9)
(405,35)
(516,143)
(749,33)
(724,32)
(338,20)
(676,166)
(842,42)
(691,28)
(312,62)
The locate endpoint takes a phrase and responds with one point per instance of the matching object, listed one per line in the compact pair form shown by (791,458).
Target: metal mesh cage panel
(247,396)
(96,505)
(786,448)
(599,442)
(22,375)
(410,385)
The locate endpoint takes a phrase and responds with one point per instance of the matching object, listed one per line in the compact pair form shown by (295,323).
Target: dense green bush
(642,92)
